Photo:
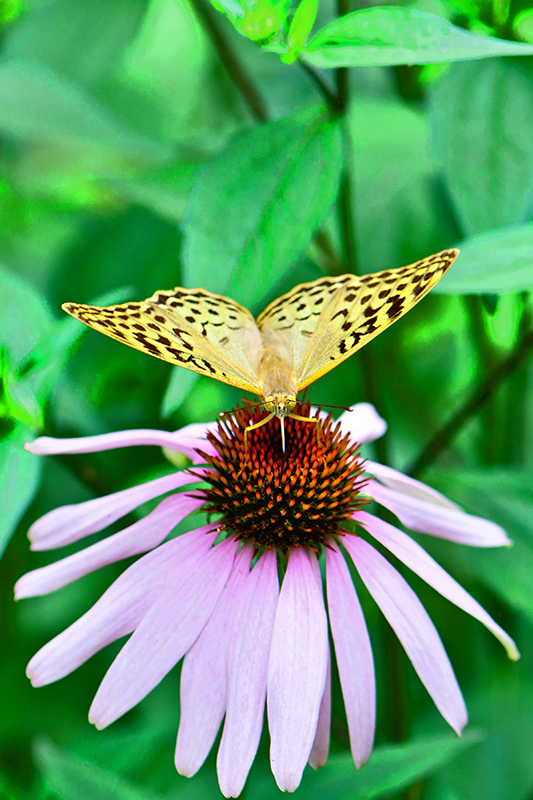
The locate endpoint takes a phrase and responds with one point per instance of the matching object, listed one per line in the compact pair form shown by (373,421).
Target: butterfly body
(299,337)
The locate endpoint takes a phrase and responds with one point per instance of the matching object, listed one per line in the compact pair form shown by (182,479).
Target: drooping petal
(363,423)
(164,635)
(412,625)
(143,535)
(320,750)
(405,485)
(416,558)
(438,520)
(185,441)
(354,656)
(248,651)
(120,609)
(70,523)
(204,676)
(297,669)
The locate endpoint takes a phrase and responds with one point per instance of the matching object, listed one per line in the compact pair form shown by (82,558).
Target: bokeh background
(146,144)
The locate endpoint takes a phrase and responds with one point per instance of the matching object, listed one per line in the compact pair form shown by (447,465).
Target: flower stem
(253,98)
(473,404)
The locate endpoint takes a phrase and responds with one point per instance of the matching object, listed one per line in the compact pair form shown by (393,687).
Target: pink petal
(297,669)
(120,609)
(412,625)
(164,635)
(204,675)
(320,750)
(248,651)
(354,656)
(406,485)
(198,430)
(185,441)
(143,535)
(363,423)
(438,520)
(416,558)
(70,523)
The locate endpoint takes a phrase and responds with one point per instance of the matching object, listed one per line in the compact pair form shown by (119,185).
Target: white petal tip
(363,423)
(231,791)
(360,761)
(98,720)
(36,680)
(40,446)
(290,784)
(186,770)
(459,726)
(513,653)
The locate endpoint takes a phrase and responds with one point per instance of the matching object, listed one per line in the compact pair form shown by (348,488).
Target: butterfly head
(280,403)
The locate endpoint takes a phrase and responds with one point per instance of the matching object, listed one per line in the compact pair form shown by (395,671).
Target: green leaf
(179,386)
(164,190)
(523,25)
(500,768)
(481,118)
(388,35)
(499,262)
(82,40)
(394,185)
(300,28)
(7,790)
(19,300)
(257,205)
(37,104)
(20,475)
(505,496)
(75,779)
(390,769)
(44,365)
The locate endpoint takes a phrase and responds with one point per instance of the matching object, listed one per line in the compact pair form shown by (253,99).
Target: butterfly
(297,338)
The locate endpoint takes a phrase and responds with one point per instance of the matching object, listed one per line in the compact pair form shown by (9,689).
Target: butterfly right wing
(323,322)
(206,333)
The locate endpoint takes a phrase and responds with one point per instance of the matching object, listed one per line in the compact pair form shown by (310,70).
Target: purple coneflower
(213,595)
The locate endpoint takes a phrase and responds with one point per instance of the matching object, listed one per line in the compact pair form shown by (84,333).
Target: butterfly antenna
(282,420)
(248,402)
(326,405)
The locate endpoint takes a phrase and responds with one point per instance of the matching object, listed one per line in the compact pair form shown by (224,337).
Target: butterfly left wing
(204,332)
(325,321)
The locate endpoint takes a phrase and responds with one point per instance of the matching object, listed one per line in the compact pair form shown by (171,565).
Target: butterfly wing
(327,320)
(203,332)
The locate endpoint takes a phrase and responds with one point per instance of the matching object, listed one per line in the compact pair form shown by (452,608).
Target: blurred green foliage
(150,143)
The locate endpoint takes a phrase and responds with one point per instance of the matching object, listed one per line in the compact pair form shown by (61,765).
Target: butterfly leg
(253,427)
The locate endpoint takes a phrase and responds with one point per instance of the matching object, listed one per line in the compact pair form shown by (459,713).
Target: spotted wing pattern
(327,320)
(203,332)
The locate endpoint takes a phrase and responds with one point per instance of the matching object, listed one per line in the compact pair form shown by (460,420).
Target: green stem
(343,7)
(345,205)
(330,97)
(473,404)
(346,217)
(253,98)
(486,363)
